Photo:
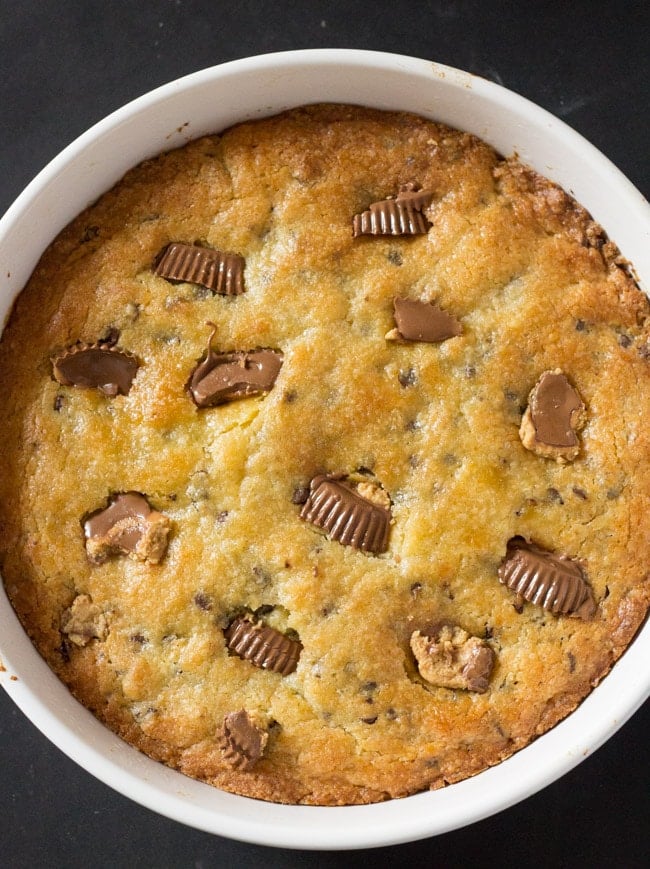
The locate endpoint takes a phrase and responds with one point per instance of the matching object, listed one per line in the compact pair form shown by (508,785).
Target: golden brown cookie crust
(536,286)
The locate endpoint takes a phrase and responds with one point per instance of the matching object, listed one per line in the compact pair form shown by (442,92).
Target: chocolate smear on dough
(262,645)
(220,272)
(422,321)
(96,366)
(242,741)
(402,215)
(555,582)
(127,526)
(223,377)
(356,515)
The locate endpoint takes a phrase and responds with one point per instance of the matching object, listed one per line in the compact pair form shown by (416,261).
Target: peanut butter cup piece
(402,215)
(223,377)
(554,415)
(354,514)
(262,645)
(422,321)
(448,657)
(555,582)
(96,366)
(127,526)
(220,272)
(84,621)
(242,740)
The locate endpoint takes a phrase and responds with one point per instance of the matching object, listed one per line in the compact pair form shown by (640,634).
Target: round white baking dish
(206,102)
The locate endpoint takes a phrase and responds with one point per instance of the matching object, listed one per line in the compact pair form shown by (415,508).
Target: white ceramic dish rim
(205,102)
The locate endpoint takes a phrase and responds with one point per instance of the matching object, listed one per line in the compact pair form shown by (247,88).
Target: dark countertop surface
(63,66)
